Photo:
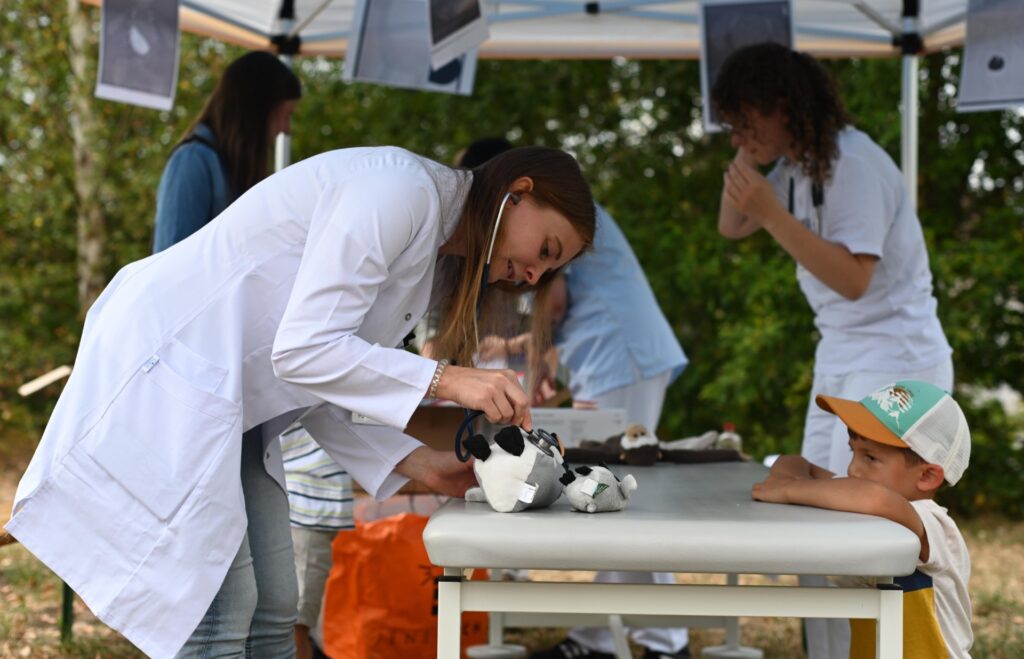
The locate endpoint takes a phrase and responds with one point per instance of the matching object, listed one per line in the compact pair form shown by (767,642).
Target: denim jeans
(254,612)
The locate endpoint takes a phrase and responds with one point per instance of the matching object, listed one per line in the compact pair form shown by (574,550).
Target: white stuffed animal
(514,473)
(597,489)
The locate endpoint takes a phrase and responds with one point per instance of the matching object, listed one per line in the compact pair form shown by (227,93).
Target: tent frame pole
(286,20)
(910,40)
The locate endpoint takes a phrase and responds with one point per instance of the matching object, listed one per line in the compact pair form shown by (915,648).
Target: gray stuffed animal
(514,473)
(597,489)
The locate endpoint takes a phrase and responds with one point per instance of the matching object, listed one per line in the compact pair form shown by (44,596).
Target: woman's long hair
(769,77)
(238,113)
(558,183)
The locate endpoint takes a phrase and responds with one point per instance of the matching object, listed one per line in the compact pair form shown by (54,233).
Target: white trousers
(826,444)
(642,402)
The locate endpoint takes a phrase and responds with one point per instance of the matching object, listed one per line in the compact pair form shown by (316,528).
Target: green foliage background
(634,125)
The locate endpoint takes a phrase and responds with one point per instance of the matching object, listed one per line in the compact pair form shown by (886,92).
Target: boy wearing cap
(907,438)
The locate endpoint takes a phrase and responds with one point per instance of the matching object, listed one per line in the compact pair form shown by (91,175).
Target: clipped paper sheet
(390,45)
(139,42)
(992,76)
(728,25)
(456,27)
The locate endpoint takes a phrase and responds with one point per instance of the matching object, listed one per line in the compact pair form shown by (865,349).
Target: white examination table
(682,518)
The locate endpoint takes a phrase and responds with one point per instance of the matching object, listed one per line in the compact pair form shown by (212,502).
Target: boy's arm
(853,495)
(794,466)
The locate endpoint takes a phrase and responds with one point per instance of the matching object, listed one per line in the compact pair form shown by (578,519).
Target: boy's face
(884,464)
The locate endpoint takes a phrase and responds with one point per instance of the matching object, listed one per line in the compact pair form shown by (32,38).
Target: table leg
(889,634)
(496,622)
(449,614)
(732,648)
(619,639)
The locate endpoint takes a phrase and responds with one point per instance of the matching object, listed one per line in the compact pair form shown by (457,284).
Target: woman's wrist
(435,382)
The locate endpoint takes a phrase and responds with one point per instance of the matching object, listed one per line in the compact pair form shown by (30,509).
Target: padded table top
(681,518)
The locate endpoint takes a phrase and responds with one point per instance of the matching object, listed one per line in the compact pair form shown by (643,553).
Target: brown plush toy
(638,447)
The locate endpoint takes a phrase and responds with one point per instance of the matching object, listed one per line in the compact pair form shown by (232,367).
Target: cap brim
(859,420)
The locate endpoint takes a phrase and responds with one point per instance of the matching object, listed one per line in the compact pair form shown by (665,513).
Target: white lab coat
(291,302)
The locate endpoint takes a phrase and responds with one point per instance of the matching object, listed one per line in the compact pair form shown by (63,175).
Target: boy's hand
(790,466)
(772,489)
(797,467)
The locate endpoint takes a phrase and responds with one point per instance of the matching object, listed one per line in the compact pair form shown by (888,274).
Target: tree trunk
(85,132)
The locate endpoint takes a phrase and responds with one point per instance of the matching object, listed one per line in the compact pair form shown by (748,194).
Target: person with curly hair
(837,203)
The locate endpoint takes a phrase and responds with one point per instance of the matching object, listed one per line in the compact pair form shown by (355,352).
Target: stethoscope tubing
(471,415)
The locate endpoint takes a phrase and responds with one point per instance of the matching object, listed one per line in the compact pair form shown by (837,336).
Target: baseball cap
(910,414)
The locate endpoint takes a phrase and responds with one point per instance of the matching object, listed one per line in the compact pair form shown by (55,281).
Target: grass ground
(30,599)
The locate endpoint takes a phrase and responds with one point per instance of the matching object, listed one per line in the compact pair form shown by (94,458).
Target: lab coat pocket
(160,434)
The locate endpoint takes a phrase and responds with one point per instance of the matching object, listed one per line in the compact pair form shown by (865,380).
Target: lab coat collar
(453,188)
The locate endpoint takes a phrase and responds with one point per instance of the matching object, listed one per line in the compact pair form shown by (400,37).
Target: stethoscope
(817,200)
(516,198)
(542,439)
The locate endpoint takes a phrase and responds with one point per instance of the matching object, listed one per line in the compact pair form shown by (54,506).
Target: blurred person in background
(227,148)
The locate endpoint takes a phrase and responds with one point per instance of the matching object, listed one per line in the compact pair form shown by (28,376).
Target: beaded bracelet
(441,365)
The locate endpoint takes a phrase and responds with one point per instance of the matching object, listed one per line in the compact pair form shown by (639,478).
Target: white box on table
(572,426)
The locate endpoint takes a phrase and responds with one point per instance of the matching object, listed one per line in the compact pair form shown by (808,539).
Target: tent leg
(283,142)
(909,131)
(911,43)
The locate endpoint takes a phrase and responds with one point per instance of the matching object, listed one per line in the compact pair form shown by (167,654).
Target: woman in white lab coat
(293,303)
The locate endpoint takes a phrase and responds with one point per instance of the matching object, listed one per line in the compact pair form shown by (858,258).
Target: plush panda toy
(597,489)
(514,472)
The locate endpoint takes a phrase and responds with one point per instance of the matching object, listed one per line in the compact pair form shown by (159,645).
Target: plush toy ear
(627,485)
(477,447)
(567,477)
(612,472)
(584,470)
(510,438)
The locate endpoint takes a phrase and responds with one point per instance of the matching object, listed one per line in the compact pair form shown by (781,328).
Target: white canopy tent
(575,29)
(651,29)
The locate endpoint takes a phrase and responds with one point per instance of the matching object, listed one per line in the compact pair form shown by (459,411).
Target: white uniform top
(294,299)
(867,210)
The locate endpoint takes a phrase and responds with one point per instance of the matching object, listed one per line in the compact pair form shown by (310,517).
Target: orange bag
(380,601)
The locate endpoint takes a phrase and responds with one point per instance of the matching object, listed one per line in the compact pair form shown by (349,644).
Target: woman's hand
(546,389)
(441,471)
(495,392)
(492,348)
(750,193)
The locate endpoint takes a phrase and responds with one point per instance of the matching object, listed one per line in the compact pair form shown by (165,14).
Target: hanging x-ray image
(390,45)
(456,27)
(992,75)
(139,52)
(727,26)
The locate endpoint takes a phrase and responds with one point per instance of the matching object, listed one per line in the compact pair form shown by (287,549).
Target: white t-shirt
(949,566)
(936,604)
(866,209)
